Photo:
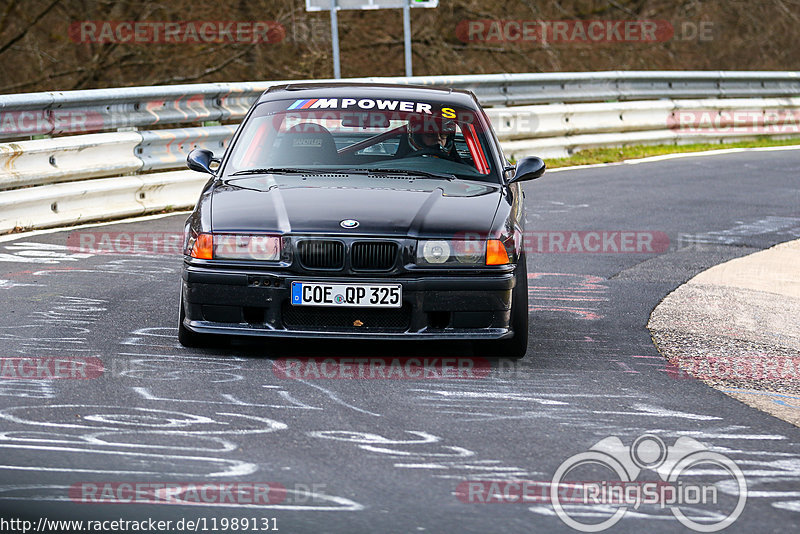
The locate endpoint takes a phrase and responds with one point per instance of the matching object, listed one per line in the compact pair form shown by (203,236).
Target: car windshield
(364,135)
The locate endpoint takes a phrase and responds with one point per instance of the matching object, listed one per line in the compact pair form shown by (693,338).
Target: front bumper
(256,303)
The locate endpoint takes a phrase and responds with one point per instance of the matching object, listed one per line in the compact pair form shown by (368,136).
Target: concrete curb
(736,328)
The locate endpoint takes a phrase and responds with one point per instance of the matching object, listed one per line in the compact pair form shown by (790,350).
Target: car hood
(396,206)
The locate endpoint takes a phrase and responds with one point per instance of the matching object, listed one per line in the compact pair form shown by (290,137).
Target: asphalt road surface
(397,455)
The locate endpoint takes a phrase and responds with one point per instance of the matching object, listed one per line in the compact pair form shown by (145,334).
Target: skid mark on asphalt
(133,439)
(66,323)
(284,398)
(427,452)
(786,227)
(628,414)
(559,397)
(149,268)
(32,389)
(27,252)
(81,439)
(564,292)
(537,210)
(8,284)
(332,396)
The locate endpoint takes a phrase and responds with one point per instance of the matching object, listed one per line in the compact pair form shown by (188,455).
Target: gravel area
(736,328)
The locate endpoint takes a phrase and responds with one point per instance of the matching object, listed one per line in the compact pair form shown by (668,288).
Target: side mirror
(200,160)
(528,168)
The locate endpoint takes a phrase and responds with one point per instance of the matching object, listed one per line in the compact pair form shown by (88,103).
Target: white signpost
(334,5)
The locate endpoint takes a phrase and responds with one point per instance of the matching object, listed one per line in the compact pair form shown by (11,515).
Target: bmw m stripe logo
(302,104)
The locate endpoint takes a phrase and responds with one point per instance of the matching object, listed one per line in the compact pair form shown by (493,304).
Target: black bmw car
(355,211)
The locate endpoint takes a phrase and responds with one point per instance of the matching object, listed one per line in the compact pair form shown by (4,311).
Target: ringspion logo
(685,484)
(576,492)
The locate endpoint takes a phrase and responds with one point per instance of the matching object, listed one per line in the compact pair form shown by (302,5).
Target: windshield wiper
(406,172)
(282,170)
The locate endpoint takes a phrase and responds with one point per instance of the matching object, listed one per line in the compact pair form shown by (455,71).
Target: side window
(493,135)
(463,149)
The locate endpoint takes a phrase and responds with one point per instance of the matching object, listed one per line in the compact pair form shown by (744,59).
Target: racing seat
(307,143)
(403,148)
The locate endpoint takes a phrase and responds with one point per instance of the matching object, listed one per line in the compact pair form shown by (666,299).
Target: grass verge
(610,155)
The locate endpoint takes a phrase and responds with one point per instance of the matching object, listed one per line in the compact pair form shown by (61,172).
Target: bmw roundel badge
(349,223)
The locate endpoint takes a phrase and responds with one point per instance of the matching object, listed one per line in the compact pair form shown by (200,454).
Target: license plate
(347,295)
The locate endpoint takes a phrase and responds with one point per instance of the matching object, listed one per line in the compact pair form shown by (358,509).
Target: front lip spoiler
(485,281)
(208,327)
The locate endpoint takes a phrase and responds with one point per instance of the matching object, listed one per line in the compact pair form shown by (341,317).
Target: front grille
(318,254)
(373,256)
(346,319)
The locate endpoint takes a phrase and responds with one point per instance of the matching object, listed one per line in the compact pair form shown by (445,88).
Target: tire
(515,347)
(190,339)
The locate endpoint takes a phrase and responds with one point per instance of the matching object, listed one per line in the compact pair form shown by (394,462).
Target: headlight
(451,252)
(435,251)
(235,247)
(247,247)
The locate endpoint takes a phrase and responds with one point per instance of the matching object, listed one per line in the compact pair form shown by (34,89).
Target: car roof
(425,93)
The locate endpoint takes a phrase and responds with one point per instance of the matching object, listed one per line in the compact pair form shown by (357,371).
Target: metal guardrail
(93,110)
(104,198)
(56,113)
(64,159)
(70,178)
(558,130)
(167,149)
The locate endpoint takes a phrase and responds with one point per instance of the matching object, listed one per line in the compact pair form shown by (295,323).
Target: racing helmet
(429,132)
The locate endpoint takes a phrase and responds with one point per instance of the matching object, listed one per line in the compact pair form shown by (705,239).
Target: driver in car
(431,137)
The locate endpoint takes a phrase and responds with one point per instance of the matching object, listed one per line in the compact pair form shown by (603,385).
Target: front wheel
(188,338)
(517,346)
